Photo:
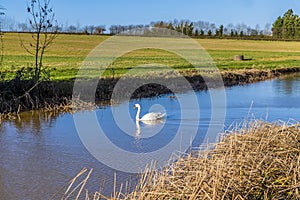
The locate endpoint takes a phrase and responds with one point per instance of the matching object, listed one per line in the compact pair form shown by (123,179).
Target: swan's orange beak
(134,107)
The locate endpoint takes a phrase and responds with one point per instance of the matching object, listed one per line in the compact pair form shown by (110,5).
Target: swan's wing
(153,122)
(153,116)
(162,115)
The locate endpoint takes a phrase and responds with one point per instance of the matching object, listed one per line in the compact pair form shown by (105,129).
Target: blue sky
(108,12)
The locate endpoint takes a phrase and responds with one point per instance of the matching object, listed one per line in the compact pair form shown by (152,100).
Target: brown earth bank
(21,95)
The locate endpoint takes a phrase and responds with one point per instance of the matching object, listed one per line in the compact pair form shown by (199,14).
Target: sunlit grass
(66,54)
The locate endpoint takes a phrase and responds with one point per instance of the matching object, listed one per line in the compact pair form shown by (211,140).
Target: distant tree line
(198,29)
(10,24)
(202,28)
(287,26)
(187,27)
(284,27)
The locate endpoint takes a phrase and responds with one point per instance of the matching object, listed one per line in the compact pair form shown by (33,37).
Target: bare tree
(44,26)
(72,29)
(100,29)
(230,29)
(23,27)
(267,29)
(91,29)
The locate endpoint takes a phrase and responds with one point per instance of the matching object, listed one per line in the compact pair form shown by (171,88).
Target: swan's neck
(137,117)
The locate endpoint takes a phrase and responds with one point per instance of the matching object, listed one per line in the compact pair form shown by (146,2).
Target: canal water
(40,153)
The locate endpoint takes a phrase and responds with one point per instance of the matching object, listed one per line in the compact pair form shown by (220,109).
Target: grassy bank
(264,60)
(261,161)
(66,54)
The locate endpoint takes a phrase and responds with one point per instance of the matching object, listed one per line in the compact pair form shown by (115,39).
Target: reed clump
(259,161)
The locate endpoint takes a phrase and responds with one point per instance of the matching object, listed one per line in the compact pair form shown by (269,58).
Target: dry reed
(259,161)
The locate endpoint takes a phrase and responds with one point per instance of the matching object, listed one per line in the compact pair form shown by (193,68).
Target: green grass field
(67,52)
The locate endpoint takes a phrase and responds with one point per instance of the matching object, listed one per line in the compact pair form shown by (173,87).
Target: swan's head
(136,106)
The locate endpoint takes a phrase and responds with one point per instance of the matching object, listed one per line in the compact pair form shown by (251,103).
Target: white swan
(149,116)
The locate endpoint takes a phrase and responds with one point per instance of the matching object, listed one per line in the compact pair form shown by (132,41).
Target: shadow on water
(288,86)
(41,152)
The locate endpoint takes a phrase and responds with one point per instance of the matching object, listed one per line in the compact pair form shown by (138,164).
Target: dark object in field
(240,57)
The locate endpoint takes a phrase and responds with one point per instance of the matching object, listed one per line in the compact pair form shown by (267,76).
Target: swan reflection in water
(148,124)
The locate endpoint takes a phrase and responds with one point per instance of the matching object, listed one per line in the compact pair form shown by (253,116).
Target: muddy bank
(241,77)
(16,96)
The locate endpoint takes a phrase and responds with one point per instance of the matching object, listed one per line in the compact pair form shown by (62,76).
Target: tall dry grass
(260,161)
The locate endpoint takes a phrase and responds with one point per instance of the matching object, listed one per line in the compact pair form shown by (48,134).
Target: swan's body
(149,116)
